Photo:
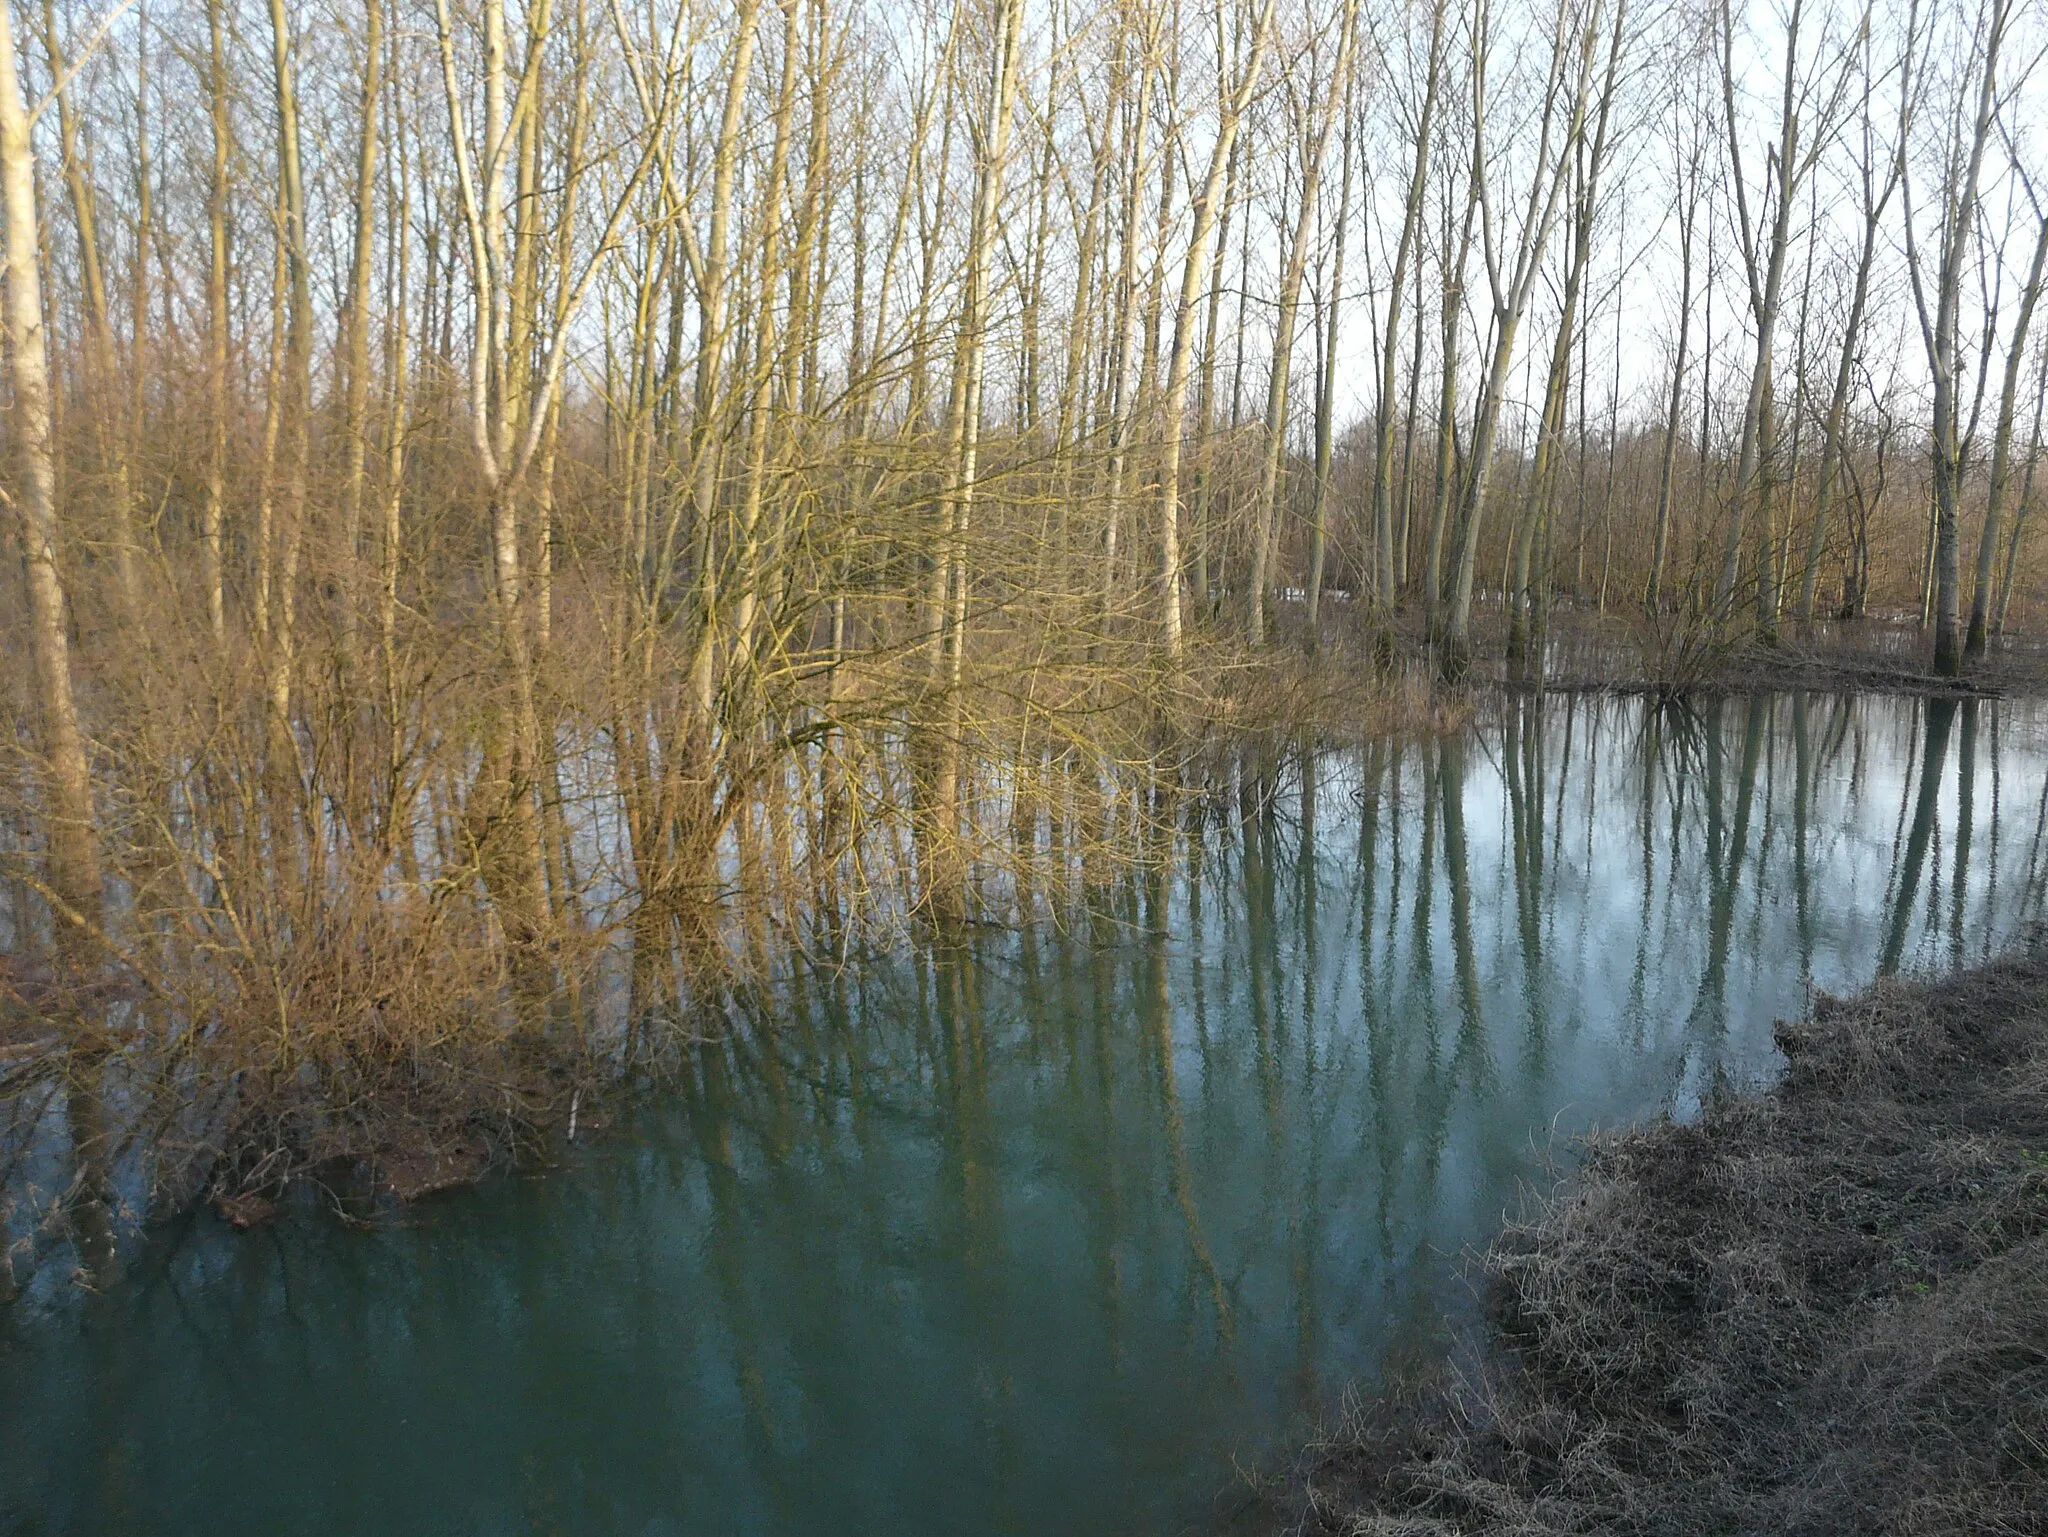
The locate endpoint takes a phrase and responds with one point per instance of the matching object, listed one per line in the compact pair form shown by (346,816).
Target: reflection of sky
(1036,1236)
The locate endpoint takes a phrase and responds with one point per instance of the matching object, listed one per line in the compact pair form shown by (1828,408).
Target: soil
(431,1170)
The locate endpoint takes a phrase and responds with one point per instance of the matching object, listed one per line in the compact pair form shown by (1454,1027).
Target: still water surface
(1039,1234)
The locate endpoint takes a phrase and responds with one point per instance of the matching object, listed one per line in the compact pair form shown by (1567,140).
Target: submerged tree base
(291,1015)
(1819,1309)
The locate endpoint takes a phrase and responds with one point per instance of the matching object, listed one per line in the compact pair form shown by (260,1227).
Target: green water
(1042,1234)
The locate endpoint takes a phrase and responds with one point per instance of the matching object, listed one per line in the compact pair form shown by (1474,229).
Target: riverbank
(1819,1309)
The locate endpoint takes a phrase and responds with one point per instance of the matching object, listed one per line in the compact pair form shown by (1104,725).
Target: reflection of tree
(714,1109)
(1725,851)
(1305,1216)
(1941,715)
(1802,803)
(1102,1174)
(2036,889)
(1651,743)
(1425,891)
(1471,1058)
(1522,763)
(962,1019)
(1158,1014)
(1966,782)
(1376,998)
(1262,948)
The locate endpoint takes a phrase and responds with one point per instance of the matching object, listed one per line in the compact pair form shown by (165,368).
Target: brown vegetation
(1816,1310)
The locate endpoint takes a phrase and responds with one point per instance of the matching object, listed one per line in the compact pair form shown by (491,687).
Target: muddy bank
(1820,1309)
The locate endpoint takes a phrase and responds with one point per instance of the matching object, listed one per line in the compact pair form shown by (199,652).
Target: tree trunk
(1193,268)
(74,872)
(2001,454)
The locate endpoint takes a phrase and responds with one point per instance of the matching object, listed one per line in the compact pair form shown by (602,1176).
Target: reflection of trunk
(1966,775)
(1425,885)
(714,1106)
(1802,798)
(1159,1033)
(965,1073)
(1522,765)
(92,1192)
(1653,750)
(1724,876)
(1470,1056)
(1305,1202)
(1941,713)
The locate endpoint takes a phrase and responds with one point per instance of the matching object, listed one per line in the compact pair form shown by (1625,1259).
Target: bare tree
(1513,260)
(1810,96)
(1316,118)
(1193,269)
(1975,641)
(1877,189)
(1939,311)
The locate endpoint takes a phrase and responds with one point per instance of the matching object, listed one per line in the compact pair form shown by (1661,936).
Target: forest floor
(1817,1309)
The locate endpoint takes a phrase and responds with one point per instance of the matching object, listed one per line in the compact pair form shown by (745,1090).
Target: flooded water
(1044,1233)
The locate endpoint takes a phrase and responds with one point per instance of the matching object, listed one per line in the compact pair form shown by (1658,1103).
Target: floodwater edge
(1815,1308)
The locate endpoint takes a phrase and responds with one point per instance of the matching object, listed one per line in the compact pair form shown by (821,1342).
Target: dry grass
(1819,1310)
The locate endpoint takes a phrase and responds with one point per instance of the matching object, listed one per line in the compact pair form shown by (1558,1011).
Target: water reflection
(1036,1232)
